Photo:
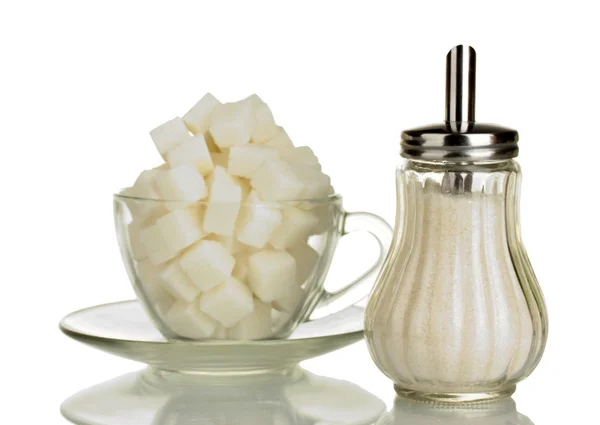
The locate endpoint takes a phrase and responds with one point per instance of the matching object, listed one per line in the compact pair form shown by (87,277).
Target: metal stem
(460,85)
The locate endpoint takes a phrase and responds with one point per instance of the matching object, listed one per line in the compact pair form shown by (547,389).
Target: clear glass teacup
(258,282)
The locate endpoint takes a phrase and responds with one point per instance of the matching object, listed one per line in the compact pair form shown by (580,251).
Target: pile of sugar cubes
(222,268)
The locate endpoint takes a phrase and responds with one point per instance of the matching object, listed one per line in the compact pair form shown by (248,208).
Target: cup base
(455,398)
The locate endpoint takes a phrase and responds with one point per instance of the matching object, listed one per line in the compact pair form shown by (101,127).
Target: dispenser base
(454,398)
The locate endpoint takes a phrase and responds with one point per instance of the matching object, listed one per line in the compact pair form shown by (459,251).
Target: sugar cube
(256,325)
(257,222)
(300,155)
(182,183)
(231,124)
(153,286)
(155,246)
(134,229)
(145,184)
(244,161)
(296,225)
(290,302)
(177,283)
(188,321)
(145,188)
(271,274)
(223,203)
(207,263)
(280,140)
(228,302)
(276,181)
(170,135)
(254,100)
(197,119)
(193,152)
(315,183)
(181,228)
(306,259)
(264,127)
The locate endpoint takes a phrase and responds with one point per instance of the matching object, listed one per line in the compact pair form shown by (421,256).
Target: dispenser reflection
(410,412)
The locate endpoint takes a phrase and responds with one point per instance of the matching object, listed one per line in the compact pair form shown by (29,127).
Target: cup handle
(332,302)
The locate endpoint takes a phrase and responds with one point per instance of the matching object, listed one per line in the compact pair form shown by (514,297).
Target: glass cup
(203,286)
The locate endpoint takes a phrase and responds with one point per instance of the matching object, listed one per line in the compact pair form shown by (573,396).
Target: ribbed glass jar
(457,313)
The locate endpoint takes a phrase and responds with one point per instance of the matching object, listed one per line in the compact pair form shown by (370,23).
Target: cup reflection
(287,397)
(409,412)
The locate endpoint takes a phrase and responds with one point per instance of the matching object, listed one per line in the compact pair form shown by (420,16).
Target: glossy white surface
(281,398)
(329,391)
(82,81)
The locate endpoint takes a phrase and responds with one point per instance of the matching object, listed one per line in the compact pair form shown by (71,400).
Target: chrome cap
(459,138)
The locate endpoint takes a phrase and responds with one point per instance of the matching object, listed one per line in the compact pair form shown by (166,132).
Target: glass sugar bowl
(457,314)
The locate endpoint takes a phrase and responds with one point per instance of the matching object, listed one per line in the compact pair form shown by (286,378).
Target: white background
(82,83)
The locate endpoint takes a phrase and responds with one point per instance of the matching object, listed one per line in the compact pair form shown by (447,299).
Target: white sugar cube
(300,155)
(244,161)
(272,274)
(306,259)
(264,127)
(188,321)
(276,181)
(254,100)
(296,225)
(153,286)
(290,302)
(155,246)
(177,283)
(145,184)
(240,270)
(231,124)
(228,303)
(134,230)
(181,228)
(145,188)
(257,222)
(193,152)
(223,203)
(207,263)
(256,325)
(182,183)
(198,118)
(170,135)
(315,183)
(280,140)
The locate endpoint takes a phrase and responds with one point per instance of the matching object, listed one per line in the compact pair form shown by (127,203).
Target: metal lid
(460,138)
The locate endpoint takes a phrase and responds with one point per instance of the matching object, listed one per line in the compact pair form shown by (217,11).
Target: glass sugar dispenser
(457,314)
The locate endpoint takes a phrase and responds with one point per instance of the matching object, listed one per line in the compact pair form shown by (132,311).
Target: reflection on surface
(408,412)
(290,397)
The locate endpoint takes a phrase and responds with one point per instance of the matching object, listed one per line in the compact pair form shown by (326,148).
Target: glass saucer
(285,397)
(124,329)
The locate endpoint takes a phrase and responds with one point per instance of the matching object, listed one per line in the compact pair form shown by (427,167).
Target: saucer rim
(78,335)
